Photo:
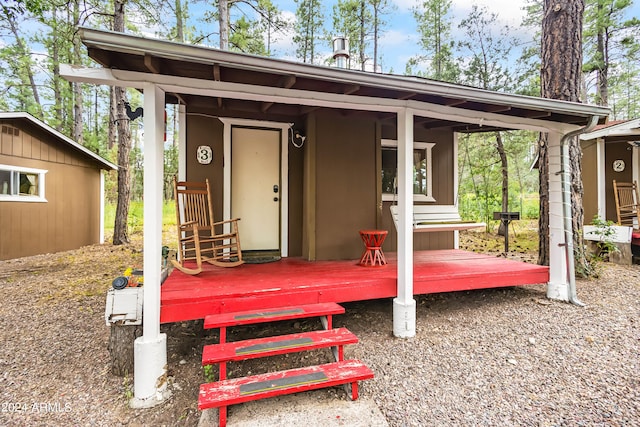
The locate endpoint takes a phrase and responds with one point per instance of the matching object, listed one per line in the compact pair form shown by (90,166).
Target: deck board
(296,281)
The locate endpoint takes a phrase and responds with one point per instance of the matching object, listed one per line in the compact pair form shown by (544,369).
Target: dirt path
(494,357)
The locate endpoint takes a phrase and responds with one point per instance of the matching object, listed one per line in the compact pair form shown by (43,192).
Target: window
(21,184)
(422,169)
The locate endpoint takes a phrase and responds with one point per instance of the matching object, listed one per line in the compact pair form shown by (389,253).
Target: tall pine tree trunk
(120,234)
(78,108)
(223,23)
(504,167)
(560,79)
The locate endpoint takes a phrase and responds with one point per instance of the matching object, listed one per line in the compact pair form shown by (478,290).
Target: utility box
(124,306)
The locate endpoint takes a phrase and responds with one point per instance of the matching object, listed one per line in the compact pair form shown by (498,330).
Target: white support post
(601,181)
(456,233)
(182,142)
(558,286)
(404,306)
(102,209)
(635,162)
(150,350)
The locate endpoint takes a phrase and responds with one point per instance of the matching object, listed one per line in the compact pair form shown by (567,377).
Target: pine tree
(560,79)
(434,28)
(308,26)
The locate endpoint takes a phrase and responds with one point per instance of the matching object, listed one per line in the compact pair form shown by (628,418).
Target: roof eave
(126,43)
(26,116)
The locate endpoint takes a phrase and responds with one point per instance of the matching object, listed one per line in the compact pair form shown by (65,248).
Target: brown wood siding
(590,180)
(442,189)
(345,184)
(334,188)
(614,151)
(202,130)
(70,218)
(206,129)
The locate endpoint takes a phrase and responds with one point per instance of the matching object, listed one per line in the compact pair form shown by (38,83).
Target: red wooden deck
(294,281)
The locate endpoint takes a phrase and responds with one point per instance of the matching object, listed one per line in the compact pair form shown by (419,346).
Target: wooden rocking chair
(626,196)
(200,238)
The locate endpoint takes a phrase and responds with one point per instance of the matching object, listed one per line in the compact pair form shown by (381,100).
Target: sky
(399,41)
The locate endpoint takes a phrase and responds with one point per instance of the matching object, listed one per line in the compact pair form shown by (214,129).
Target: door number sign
(204,154)
(618,165)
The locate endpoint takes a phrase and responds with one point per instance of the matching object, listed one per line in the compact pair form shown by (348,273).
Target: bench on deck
(436,218)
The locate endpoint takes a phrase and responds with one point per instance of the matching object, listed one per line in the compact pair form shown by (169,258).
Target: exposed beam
(438,124)
(257,93)
(180,98)
(454,102)
(216,77)
(100,56)
(287,82)
(351,89)
(538,114)
(305,109)
(152,63)
(498,108)
(408,95)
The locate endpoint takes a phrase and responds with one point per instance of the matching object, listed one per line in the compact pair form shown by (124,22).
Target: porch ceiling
(132,53)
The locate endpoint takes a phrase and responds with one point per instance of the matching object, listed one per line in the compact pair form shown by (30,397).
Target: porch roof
(120,51)
(619,131)
(20,116)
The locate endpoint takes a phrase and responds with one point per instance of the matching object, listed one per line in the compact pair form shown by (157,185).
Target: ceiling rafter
(285,82)
(409,95)
(152,64)
(216,77)
(350,89)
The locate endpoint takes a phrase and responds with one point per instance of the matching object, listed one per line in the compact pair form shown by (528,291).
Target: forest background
(474,46)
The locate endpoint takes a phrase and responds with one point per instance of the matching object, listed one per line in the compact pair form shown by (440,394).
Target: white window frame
(39,198)
(427,147)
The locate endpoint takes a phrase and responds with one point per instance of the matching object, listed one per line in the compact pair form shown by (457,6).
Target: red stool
(373,254)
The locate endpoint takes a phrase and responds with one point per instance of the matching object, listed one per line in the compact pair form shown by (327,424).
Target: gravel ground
(498,357)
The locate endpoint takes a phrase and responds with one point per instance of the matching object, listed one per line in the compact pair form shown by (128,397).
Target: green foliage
(487,65)
(609,43)
(605,232)
(247,37)
(480,180)
(209,373)
(351,19)
(434,28)
(308,28)
(135,221)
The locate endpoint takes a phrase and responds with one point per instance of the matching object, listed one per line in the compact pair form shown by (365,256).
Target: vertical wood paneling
(70,217)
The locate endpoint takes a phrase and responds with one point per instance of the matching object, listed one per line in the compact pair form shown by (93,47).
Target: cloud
(508,11)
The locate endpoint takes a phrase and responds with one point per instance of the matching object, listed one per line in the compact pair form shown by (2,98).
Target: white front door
(255,186)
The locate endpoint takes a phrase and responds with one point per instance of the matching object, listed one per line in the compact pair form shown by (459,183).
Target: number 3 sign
(204,154)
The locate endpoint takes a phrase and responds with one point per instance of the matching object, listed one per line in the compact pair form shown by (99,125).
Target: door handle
(276,189)
(275,199)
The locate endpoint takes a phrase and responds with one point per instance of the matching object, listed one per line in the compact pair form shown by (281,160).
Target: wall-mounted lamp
(297,138)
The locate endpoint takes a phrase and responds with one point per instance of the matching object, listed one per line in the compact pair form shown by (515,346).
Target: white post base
(404,318)
(558,291)
(150,372)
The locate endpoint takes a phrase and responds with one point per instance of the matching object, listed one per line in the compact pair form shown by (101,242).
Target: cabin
(51,189)
(610,152)
(308,156)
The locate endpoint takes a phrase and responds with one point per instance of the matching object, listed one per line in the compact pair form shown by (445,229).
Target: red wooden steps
(239,390)
(271,346)
(224,320)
